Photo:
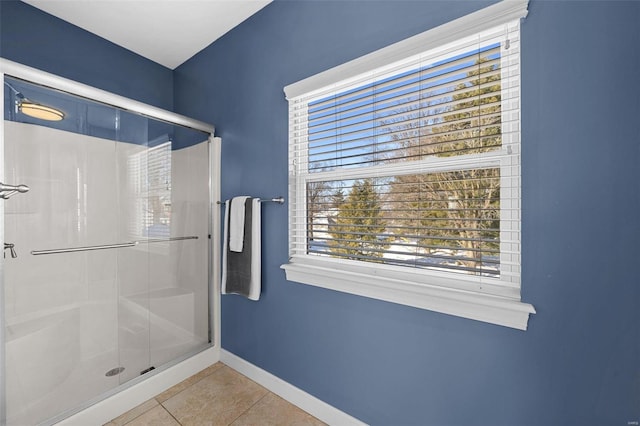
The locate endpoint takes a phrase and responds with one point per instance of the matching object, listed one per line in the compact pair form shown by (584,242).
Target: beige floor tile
(157,416)
(133,413)
(275,411)
(174,390)
(218,399)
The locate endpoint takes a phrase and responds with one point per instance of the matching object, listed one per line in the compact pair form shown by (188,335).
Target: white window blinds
(415,164)
(149,175)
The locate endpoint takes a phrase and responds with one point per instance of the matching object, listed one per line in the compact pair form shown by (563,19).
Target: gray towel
(241,270)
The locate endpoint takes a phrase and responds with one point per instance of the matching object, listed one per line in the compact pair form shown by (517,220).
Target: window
(149,171)
(405,176)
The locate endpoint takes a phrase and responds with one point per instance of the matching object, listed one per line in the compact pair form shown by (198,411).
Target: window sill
(493,309)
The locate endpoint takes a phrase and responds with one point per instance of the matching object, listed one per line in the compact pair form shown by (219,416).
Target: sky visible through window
(347,129)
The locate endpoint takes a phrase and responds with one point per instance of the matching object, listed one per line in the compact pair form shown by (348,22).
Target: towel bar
(279,200)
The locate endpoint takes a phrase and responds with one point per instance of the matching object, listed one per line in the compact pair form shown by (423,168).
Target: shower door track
(112,246)
(34,75)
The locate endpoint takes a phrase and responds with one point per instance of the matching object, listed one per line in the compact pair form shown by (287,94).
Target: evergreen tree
(337,198)
(357,227)
(316,204)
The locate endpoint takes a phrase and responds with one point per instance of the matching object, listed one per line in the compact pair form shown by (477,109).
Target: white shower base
(130,397)
(49,370)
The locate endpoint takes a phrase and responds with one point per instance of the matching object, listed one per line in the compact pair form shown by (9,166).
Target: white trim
(294,395)
(399,276)
(110,408)
(428,165)
(215,154)
(497,14)
(35,75)
(499,310)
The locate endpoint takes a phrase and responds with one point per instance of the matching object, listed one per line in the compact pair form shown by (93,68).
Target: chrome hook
(12,250)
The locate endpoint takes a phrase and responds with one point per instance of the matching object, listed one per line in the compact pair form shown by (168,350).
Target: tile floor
(218,395)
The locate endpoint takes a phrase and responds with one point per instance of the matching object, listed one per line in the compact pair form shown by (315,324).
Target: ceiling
(166,31)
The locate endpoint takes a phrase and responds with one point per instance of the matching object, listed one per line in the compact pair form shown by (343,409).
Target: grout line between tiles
(253,405)
(192,384)
(171,414)
(142,413)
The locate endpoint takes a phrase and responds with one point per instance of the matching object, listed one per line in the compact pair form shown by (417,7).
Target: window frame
(479,298)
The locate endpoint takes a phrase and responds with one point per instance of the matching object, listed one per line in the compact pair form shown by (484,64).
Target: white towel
(241,271)
(236,224)
(255,286)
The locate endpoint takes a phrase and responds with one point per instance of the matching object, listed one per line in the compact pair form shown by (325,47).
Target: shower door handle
(6,191)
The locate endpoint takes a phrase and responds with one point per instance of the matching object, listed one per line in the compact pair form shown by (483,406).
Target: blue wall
(35,38)
(578,364)
(388,364)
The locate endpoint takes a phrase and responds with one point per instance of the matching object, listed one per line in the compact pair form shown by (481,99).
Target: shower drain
(114,371)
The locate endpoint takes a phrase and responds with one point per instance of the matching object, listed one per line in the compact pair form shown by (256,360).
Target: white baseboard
(110,408)
(309,403)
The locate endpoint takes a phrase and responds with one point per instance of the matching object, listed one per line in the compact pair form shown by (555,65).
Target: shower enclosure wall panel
(58,213)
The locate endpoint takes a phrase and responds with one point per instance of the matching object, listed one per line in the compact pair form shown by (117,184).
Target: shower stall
(107,218)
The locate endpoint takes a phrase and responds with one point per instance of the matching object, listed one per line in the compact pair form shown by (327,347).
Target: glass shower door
(60,289)
(163,305)
(106,259)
